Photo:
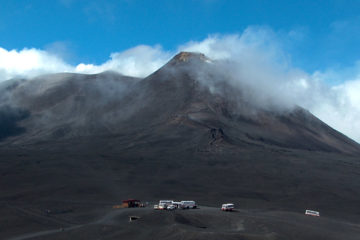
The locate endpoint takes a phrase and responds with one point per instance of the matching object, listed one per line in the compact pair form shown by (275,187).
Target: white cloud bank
(29,63)
(259,63)
(138,61)
(254,59)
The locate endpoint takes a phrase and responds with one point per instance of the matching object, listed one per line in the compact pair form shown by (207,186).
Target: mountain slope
(65,106)
(97,139)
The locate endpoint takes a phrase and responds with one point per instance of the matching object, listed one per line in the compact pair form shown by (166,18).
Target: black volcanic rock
(97,139)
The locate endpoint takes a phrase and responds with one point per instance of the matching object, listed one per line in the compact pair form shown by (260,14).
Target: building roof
(130,200)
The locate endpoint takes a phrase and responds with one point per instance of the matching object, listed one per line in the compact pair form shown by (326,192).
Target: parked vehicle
(166,202)
(312,213)
(177,204)
(188,204)
(162,206)
(171,207)
(156,207)
(227,207)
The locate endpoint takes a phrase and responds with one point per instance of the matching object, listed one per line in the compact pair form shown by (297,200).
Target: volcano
(74,141)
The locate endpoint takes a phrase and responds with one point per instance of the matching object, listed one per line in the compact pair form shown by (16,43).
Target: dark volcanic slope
(79,141)
(64,106)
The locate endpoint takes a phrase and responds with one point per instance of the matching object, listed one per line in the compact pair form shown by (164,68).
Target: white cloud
(138,61)
(254,59)
(340,108)
(260,65)
(29,63)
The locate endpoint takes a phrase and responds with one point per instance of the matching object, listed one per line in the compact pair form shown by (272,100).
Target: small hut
(130,203)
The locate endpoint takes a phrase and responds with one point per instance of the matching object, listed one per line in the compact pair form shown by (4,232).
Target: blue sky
(326,33)
(302,52)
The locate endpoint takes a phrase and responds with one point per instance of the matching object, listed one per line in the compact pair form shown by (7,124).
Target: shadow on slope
(9,118)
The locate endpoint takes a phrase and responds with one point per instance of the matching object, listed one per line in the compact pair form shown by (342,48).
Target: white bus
(188,204)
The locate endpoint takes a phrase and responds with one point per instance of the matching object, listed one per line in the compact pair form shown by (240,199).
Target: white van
(188,204)
(227,207)
(165,203)
(162,206)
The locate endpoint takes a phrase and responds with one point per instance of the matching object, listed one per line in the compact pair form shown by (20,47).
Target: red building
(130,203)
